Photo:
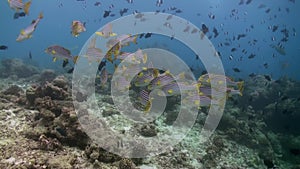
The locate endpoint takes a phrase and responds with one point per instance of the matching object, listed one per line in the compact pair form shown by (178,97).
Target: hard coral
(15,67)
(47,75)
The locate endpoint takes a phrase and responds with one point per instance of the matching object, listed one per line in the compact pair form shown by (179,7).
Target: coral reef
(270,117)
(40,129)
(47,75)
(56,113)
(15,67)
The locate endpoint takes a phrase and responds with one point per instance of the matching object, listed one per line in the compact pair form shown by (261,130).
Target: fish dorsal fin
(33,21)
(67,50)
(73,23)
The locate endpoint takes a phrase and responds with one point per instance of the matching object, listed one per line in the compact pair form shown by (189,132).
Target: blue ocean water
(230,19)
(252,37)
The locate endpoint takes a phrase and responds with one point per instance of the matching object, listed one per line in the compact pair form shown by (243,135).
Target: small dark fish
(65,62)
(285,39)
(230,57)
(71,70)
(215,31)
(266,65)
(19,14)
(141,35)
(148,35)
(226,43)
(268,10)
(130,1)
(211,16)
(274,28)
(268,77)
(241,36)
(251,56)
(236,70)
(252,75)
(285,32)
(203,72)
(293,1)
(172,8)
(159,3)
(241,2)
(22,14)
(106,14)
(261,6)
(233,49)
(123,11)
(111,6)
(172,37)
(248,2)
(294,30)
(287,10)
(3,47)
(178,11)
(101,65)
(197,57)
(30,55)
(112,15)
(97,4)
(204,30)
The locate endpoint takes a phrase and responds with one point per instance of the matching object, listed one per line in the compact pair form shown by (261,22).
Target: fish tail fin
(75,58)
(41,15)
(241,87)
(26,7)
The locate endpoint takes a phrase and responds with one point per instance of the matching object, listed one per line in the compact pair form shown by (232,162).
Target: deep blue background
(55,29)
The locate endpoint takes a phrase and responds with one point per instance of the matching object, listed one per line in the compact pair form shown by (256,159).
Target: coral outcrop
(15,67)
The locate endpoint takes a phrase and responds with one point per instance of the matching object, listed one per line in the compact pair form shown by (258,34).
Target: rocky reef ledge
(40,129)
